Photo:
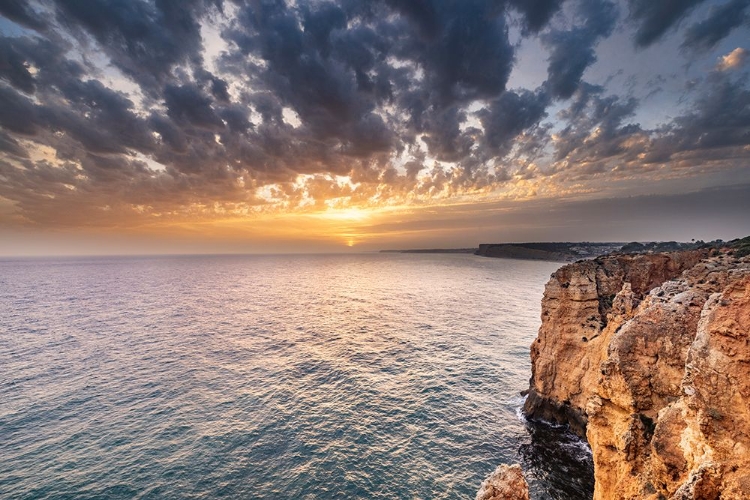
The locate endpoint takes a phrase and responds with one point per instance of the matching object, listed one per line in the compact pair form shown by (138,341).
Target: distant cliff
(560,252)
(648,357)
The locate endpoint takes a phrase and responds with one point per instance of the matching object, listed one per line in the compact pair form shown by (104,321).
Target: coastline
(625,357)
(547,251)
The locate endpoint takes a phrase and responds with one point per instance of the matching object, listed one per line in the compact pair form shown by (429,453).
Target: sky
(233,126)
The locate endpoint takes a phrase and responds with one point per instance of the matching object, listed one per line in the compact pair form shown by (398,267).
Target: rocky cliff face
(648,356)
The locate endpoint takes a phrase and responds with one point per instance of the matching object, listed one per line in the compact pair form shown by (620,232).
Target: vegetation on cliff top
(741,246)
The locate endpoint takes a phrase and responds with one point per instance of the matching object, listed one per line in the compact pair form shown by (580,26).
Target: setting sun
(346,214)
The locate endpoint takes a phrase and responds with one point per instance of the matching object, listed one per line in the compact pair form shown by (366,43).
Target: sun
(346,214)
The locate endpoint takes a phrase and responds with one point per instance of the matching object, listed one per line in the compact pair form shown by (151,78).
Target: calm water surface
(384,376)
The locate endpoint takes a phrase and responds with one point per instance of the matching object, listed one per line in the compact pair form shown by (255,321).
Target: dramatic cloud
(572,51)
(720,118)
(21,12)
(537,13)
(144,40)
(511,114)
(654,19)
(597,130)
(13,66)
(148,113)
(720,21)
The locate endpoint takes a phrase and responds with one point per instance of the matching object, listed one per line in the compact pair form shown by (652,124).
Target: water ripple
(364,376)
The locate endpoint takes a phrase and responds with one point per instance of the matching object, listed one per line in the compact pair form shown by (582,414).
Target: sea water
(372,376)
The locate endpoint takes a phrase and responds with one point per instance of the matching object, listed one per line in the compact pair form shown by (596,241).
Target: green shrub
(741,246)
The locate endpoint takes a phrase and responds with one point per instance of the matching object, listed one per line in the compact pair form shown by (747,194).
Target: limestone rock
(506,483)
(584,305)
(648,356)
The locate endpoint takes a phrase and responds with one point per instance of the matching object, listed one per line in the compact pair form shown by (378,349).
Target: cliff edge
(648,357)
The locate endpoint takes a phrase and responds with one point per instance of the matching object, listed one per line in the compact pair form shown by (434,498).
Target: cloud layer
(124,113)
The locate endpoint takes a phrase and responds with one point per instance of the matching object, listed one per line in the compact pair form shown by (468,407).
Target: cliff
(561,252)
(648,357)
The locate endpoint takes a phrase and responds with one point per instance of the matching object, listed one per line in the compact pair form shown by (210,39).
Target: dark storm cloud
(143,39)
(509,115)
(537,13)
(443,135)
(235,117)
(470,56)
(188,104)
(47,56)
(719,23)
(333,74)
(170,134)
(13,66)
(323,90)
(219,89)
(423,15)
(10,145)
(720,118)
(21,12)
(572,51)
(110,123)
(17,112)
(601,136)
(597,129)
(100,118)
(335,78)
(654,18)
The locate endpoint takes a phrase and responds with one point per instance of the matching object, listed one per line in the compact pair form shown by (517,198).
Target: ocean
(361,376)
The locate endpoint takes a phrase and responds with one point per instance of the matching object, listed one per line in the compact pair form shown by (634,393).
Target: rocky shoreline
(647,356)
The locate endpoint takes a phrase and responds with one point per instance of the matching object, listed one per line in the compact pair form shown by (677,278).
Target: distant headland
(563,251)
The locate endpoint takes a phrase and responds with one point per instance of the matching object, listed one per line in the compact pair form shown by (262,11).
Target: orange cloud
(734,59)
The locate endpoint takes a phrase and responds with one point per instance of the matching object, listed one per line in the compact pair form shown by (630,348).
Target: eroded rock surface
(506,483)
(648,356)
